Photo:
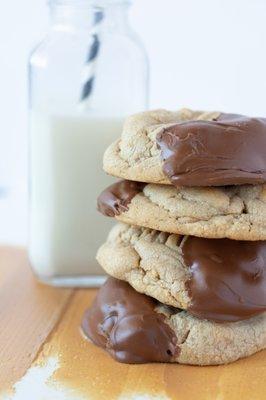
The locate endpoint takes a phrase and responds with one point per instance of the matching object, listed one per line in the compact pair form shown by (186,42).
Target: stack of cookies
(188,258)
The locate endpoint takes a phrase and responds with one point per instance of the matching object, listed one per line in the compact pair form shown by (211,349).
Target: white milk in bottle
(88,73)
(66,177)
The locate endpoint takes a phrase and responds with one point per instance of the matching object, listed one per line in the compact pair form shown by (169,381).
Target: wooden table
(43,353)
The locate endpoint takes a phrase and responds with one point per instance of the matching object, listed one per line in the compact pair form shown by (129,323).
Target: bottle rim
(88,3)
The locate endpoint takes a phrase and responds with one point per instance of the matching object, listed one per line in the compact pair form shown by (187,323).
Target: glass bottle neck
(66,15)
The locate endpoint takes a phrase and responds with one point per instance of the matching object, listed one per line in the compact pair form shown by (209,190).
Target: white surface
(37,385)
(204,54)
(66,177)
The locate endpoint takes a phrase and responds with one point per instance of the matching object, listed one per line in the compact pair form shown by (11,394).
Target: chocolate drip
(125,323)
(227,151)
(228,281)
(115,199)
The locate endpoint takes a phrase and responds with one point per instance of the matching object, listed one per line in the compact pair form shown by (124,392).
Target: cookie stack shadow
(187,259)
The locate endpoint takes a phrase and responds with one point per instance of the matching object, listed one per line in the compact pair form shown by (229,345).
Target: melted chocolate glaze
(228,281)
(115,199)
(227,151)
(125,323)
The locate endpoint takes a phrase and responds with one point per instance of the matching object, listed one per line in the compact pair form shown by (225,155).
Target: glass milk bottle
(88,74)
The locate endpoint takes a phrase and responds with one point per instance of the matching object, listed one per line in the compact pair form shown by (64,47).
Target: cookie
(234,212)
(190,148)
(134,328)
(215,279)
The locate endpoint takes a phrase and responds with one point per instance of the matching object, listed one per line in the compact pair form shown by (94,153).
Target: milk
(66,177)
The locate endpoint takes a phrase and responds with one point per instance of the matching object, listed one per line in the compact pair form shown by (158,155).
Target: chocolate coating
(228,281)
(125,323)
(115,199)
(227,151)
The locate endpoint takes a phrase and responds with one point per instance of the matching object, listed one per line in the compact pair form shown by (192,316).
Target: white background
(203,53)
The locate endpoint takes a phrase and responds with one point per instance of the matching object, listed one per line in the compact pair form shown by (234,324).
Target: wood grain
(38,322)
(28,313)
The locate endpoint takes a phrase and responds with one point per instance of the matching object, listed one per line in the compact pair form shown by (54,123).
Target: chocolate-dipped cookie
(216,279)
(134,328)
(234,212)
(190,148)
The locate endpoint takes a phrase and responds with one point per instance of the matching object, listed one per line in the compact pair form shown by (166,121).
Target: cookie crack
(185,338)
